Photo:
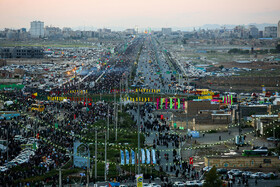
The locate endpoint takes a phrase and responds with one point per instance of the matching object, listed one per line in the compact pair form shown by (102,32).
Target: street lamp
(138,85)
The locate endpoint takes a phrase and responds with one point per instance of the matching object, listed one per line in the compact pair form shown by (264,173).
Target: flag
(37,136)
(122,157)
(170,103)
(127,156)
(143,156)
(132,157)
(154,156)
(148,156)
(179,104)
(34,95)
(56,125)
(191,160)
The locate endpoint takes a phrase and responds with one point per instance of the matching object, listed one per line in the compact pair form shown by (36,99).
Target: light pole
(138,85)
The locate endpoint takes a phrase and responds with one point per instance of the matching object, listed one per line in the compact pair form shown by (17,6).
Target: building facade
(21,52)
(270,32)
(278,30)
(36,29)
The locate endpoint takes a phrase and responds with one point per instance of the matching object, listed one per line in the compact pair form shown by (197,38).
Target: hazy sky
(141,13)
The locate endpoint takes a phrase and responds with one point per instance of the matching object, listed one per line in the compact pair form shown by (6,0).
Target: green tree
(278,48)
(212,179)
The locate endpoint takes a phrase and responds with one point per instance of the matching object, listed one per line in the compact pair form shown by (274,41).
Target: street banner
(139,180)
(154,156)
(143,156)
(132,157)
(122,157)
(127,156)
(148,156)
(166,103)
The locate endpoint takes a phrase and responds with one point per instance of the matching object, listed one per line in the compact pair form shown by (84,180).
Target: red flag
(37,136)
(110,185)
(74,116)
(191,160)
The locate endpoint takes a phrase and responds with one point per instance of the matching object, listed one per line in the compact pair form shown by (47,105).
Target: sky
(137,13)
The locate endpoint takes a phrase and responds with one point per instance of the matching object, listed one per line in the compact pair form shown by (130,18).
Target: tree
(278,48)
(212,179)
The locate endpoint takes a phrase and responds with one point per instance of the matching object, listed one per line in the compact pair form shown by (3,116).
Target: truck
(8,115)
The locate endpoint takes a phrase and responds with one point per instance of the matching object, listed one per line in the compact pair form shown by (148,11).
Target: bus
(256,152)
(8,115)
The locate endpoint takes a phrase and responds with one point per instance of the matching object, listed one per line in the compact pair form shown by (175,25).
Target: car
(238,174)
(273,139)
(247,173)
(178,183)
(258,175)
(3,168)
(232,171)
(271,175)
(207,168)
(221,170)
(146,185)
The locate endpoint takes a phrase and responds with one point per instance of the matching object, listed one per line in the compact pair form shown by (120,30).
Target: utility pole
(88,165)
(60,178)
(138,124)
(95,169)
(108,119)
(105,173)
(121,94)
(116,122)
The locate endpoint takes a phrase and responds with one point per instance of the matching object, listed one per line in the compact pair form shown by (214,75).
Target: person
(256,182)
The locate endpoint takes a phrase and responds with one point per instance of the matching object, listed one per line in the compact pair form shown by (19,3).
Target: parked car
(221,170)
(247,173)
(207,168)
(258,175)
(271,175)
(232,171)
(273,139)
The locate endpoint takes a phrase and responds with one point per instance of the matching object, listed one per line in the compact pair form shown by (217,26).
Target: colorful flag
(143,156)
(154,156)
(122,157)
(148,156)
(127,156)
(132,157)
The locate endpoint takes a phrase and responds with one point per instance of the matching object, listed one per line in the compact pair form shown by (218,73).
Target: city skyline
(141,14)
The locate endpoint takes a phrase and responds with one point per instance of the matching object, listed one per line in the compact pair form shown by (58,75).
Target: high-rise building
(278,30)
(166,31)
(36,29)
(254,31)
(270,32)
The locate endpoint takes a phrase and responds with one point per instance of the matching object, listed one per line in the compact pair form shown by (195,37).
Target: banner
(143,156)
(139,180)
(122,157)
(148,156)
(154,156)
(132,157)
(127,156)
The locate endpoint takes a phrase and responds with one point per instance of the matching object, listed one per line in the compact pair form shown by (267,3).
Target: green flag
(170,103)
(56,125)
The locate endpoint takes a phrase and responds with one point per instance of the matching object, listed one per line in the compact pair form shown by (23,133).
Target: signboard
(139,180)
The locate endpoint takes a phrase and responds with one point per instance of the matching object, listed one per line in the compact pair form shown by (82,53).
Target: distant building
(254,31)
(278,31)
(106,30)
(130,31)
(166,31)
(270,32)
(36,29)
(21,52)
(53,32)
